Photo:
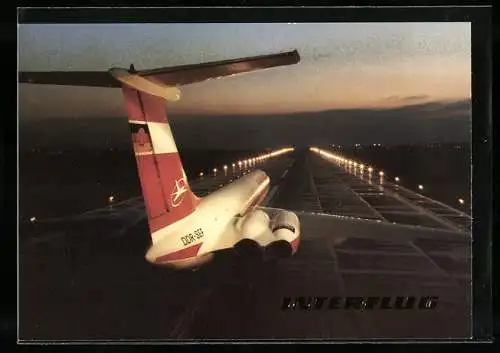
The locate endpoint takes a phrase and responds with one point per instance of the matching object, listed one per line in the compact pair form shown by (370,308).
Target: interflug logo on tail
(180,189)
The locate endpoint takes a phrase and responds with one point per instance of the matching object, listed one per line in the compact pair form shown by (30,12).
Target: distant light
(234,165)
(461,201)
(239,163)
(111,199)
(370,169)
(381,173)
(33,219)
(215,170)
(201,174)
(396,179)
(421,187)
(355,164)
(361,166)
(225,167)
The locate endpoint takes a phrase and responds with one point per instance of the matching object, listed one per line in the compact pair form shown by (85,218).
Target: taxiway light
(421,187)
(381,173)
(111,198)
(370,169)
(225,167)
(396,179)
(239,163)
(215,170)
(33,219)
(461,201)
(201,174)
(234,165)
(361,166)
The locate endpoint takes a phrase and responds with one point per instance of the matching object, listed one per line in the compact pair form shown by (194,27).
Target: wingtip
(294,54)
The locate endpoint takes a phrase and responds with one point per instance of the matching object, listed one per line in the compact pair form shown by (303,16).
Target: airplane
(347,250)
(186,230)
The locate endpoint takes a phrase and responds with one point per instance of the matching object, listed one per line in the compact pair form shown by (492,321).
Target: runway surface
(85,277)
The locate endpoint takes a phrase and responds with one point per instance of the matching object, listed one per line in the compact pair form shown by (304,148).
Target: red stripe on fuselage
(257,200)
(261,197)
(188,252)
(295,245)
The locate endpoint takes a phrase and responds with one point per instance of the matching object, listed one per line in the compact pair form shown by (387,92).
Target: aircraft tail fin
(165,188)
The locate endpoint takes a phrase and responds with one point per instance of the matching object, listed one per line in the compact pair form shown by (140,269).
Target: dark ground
(85,278)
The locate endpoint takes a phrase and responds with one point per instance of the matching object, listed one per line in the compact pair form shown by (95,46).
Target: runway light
(355,164)
(381,173)
(461,201)
(111,199)
(239,163)
(421,187)
(370,169)
(396,179)
(201,174)
(33,219)
(225,167)
(215,170)
(234,165)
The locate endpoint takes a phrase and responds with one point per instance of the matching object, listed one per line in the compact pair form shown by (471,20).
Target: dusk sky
(344,65)
(363,68)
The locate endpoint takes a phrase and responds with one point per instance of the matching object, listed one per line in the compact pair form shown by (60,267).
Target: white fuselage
(211,227)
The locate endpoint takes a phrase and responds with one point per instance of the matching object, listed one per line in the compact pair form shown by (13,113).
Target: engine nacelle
(286,229)
(254,224)
(251,226)
(286,226)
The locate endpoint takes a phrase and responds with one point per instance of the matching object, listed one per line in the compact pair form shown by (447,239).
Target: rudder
(165,188)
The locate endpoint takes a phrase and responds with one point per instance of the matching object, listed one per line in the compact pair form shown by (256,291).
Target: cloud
(413,98)
(407,98)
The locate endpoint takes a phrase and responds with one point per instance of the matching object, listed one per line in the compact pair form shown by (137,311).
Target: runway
(85,277)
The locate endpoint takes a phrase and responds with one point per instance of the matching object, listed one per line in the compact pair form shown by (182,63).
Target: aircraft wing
(318,225)
(173,76)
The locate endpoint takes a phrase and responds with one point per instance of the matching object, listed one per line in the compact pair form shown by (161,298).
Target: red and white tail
(165,188)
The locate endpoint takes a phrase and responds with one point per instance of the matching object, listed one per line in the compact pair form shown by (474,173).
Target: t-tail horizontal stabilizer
(167,195)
